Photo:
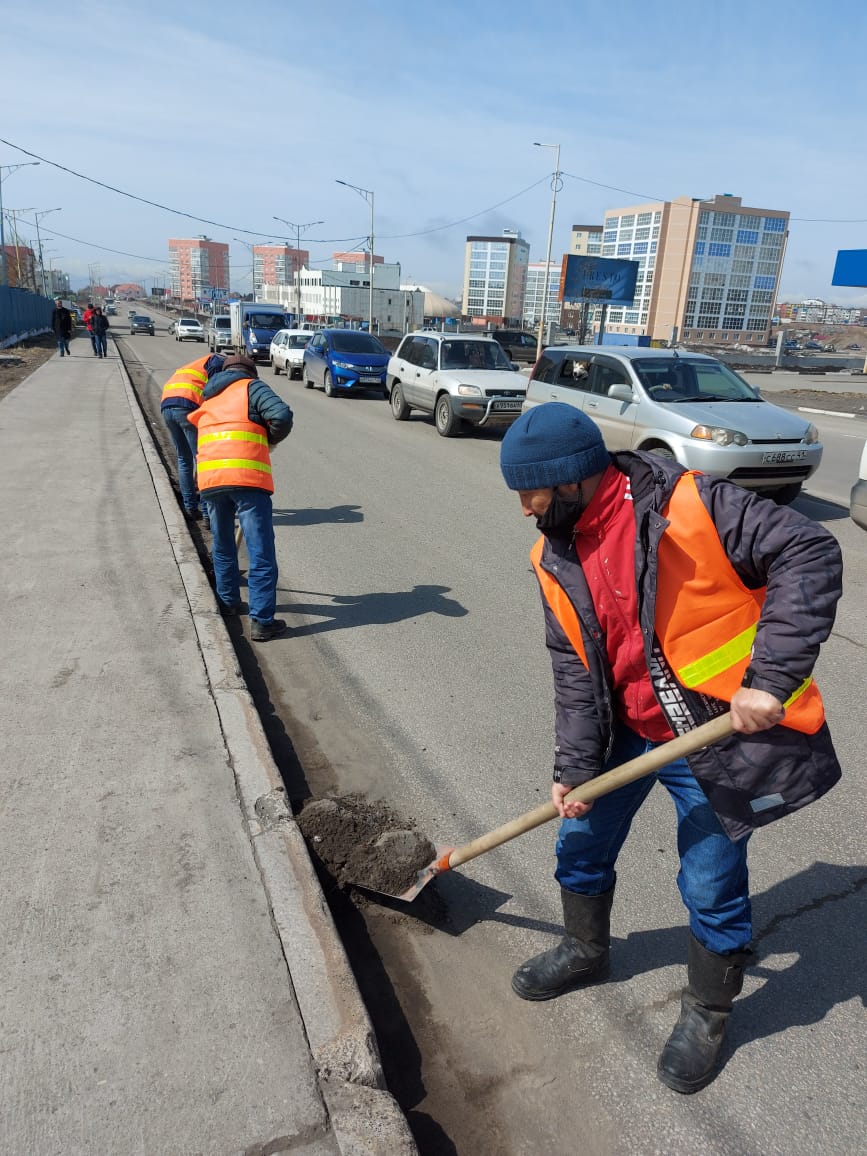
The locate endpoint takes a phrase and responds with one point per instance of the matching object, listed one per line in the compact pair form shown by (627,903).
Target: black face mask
(559,519)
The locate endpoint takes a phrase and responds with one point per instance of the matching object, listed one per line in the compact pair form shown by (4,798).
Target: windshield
(142,318)
(185,321)
(351,341)
(222,323)
(474,355)
(298,340)
(266,320)
(679,379)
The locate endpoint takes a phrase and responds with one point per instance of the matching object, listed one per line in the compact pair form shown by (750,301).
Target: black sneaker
(193,515)
(265,631)
(231,609)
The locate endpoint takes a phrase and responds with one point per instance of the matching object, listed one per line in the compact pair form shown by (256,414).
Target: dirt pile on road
(365,844)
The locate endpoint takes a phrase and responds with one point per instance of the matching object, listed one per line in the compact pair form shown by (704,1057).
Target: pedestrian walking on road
(670,597)
(183,393)
(61,323)
(99,331)
(239,418)
(87,318)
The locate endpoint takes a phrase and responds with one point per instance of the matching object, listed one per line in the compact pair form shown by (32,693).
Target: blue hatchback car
(341,360)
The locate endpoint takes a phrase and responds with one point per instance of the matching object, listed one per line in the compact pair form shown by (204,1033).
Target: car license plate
(369,377)
(507,406)
(776,457)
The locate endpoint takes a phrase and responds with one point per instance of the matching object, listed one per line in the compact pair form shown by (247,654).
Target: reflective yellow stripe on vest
(233,464)
(716,661)
(233,435)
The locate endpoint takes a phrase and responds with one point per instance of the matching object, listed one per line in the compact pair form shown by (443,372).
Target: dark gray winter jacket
(749,780)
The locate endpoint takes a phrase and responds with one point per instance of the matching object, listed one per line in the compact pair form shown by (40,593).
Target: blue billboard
(851,268)
(598,279)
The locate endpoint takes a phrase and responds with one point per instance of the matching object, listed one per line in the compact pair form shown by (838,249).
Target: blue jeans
(92,337)
(63,345)
(184,435)
(713,878)
(253,508)
(100,344)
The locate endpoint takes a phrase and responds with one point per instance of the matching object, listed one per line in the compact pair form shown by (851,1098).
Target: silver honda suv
(462,379)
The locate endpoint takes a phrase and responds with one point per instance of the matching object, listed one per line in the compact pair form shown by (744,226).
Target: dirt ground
(20,361)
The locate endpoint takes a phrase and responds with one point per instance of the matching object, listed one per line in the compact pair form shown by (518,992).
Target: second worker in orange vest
(239,419)
(182,393)
(668,596)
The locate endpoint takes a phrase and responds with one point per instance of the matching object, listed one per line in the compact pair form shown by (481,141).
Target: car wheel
(275,367)
(446,420)
(330,391)
(400,411)
(308,384)
(784,495)
(662,452)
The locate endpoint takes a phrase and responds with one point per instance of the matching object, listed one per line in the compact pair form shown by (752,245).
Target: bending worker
(239,418)
(183,393)
(670,597)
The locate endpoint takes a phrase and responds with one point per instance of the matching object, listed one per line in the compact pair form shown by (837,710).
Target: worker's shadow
(808,940)
(345,611)
(339,515)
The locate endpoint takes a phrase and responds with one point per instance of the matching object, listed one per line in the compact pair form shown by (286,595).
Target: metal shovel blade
(436,867)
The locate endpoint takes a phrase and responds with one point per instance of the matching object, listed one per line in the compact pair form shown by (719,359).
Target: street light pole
(554,184)
(4,280)
(367,194)
(36,216)
(299,229)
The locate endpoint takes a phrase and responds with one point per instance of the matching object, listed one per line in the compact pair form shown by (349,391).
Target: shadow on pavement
(313,517)
(820,509)
(349,610)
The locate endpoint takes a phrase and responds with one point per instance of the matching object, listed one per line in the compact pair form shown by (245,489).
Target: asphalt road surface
(416,671)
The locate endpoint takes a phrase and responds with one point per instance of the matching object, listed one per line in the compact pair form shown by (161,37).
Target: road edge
(364,1115)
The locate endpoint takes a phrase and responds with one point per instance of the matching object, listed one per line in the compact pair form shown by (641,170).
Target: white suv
(188,329)
(460,378)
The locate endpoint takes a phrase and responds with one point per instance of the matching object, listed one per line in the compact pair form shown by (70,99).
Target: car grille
(762,473)
(775,441)
(505,393)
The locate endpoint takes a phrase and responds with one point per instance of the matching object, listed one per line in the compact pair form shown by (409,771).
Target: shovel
(661,756)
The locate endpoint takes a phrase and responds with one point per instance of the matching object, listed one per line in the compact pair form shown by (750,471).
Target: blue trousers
(63,345)
(100,344)
(185,436)
(713,878)
(253,508)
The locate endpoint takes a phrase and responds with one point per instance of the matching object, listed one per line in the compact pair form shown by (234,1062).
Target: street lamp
(299,229)
(247,245)
(10,169)
(42,213)
(554,186)
(367,194)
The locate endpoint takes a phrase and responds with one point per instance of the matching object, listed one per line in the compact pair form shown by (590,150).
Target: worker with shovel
(668,595)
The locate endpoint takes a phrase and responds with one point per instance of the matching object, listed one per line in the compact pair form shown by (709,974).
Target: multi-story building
(708,269)
(20,265)
(330,295)
(534,292)
(495,276)
(277,264)
(586,240)
(815,310)
(197,266)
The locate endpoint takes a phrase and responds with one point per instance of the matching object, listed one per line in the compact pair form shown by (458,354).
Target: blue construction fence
(22,314)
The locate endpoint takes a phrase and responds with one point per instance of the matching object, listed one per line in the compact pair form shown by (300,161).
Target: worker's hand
(755,710)
(571,810)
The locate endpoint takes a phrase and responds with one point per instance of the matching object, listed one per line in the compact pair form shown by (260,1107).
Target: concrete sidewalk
(171,979)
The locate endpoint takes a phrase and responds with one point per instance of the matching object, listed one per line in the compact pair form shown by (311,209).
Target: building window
(726,220)
(627,222)
(775,224)
(712,295)
(739,282)
(639,247)
(733,323)
(747,237)
(642,234)
(699,247)
(721,234)
(608,250)
(643,218)
(767,269)
(704,217)
(718,250)
(763,296)
(609,235)
(624,250)
(736,295)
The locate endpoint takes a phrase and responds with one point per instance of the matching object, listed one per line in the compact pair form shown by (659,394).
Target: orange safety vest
(706,618)
(232,450)
(188,382)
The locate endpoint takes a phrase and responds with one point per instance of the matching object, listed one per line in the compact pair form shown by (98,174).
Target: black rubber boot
(688,1061)
(581,955)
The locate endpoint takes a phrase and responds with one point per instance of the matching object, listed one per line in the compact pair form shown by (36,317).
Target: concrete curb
(364,1116)
(826,412)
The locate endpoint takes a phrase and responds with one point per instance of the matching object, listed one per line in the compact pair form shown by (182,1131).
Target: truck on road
(254,326)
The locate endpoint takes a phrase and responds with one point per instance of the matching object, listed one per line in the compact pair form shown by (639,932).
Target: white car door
(614,417)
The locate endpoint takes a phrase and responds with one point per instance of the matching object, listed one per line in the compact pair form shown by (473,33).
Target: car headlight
(343,365)
(811,436)
(469,391)
(720,435)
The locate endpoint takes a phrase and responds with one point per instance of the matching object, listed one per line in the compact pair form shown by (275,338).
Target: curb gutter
(365,1117)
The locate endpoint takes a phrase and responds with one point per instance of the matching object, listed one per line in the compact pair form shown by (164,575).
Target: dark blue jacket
(265,407)
(749,780)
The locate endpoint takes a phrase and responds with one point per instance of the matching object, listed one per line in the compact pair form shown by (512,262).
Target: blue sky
(240,112)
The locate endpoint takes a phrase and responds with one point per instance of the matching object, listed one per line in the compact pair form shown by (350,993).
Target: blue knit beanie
(551,445)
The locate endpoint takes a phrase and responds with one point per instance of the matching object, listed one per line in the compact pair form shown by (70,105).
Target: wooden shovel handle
(661,756)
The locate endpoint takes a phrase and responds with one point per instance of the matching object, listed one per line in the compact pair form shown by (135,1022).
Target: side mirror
(621,392)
